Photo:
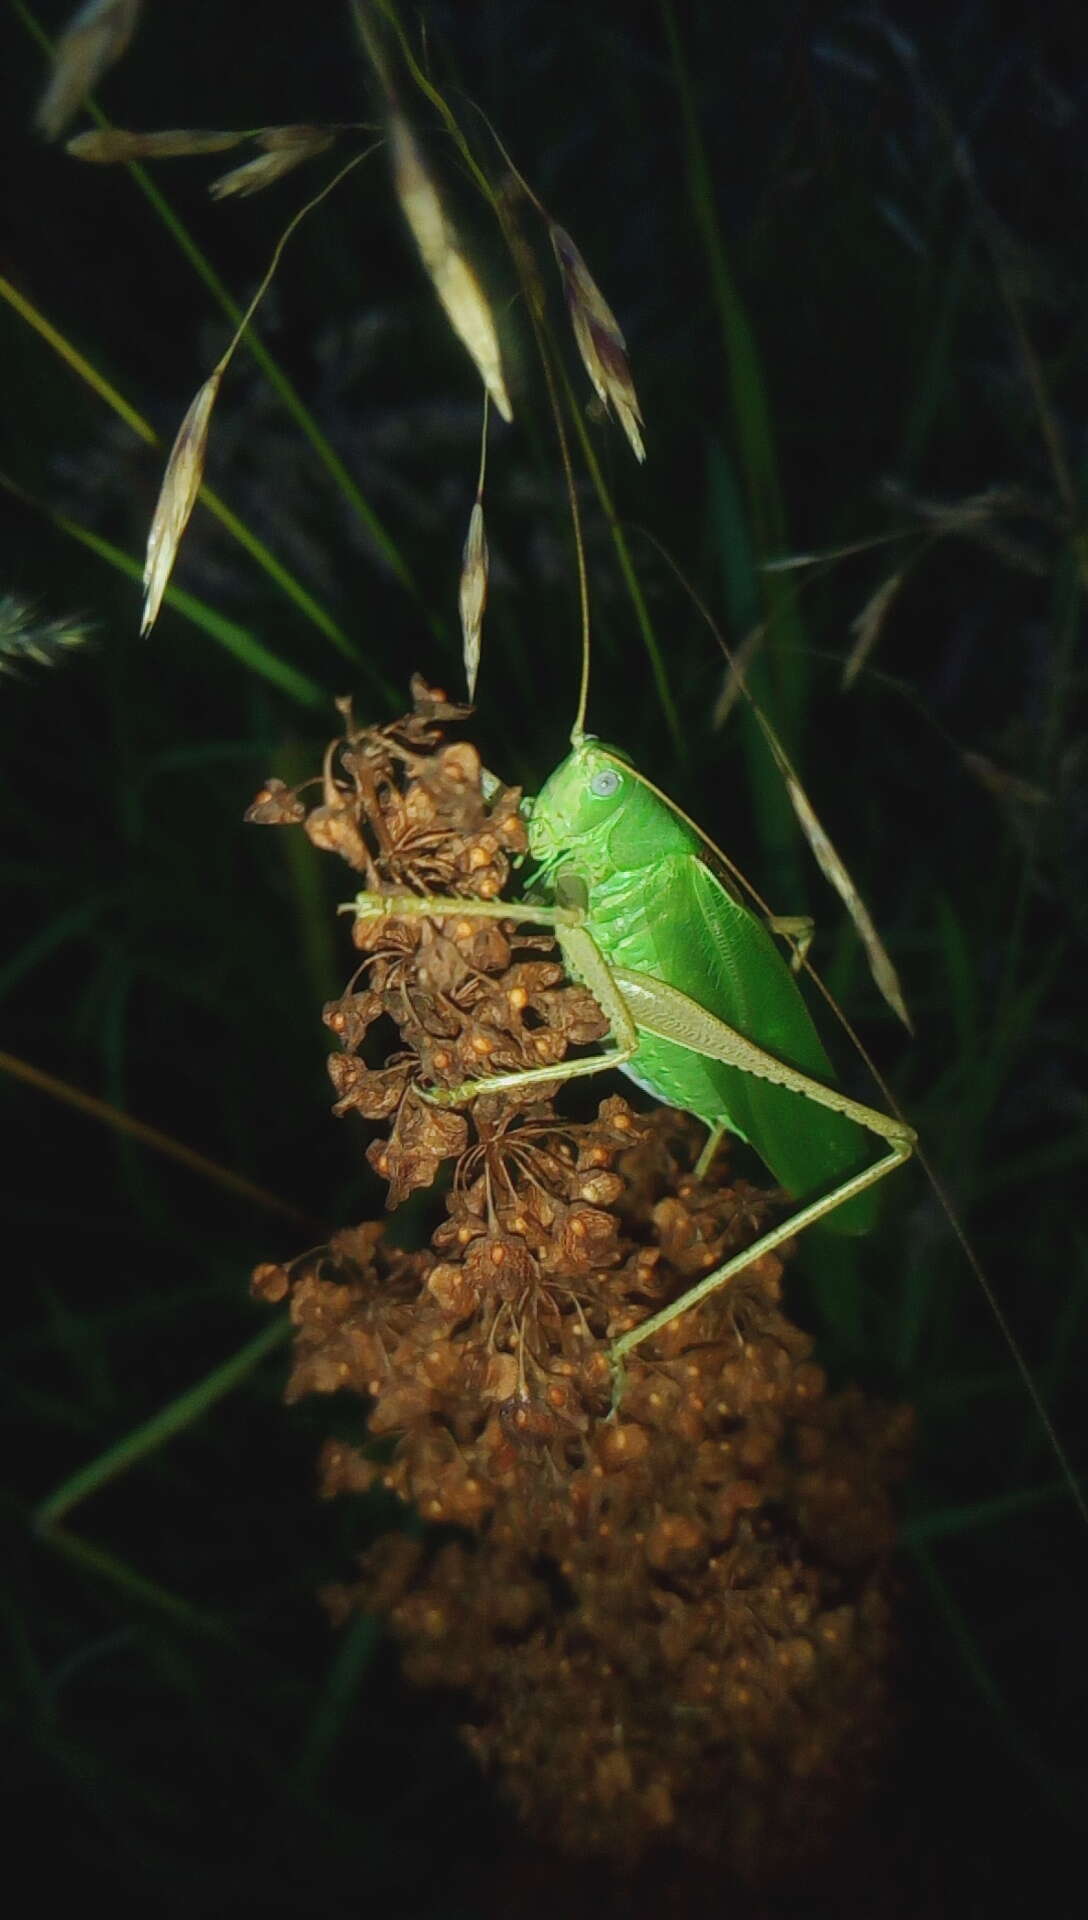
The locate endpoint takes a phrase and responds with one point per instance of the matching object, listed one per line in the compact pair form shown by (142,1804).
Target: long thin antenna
(529,281)
(527,274)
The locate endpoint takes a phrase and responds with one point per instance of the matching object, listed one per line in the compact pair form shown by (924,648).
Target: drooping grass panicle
(284,148)
(93,42)
(185,467)
(459,291)
(599,339)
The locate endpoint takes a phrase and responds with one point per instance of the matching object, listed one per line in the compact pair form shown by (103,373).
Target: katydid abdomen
(654,908)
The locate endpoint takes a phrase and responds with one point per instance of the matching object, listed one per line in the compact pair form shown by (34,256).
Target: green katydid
(704,1011)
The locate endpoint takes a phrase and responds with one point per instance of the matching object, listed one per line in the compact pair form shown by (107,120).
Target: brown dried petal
(270,1283)
(358,1087)
(276,805)
(500,1263)
(335,830)
(351,1017)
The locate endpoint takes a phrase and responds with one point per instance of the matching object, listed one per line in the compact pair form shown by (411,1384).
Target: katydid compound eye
(604,783)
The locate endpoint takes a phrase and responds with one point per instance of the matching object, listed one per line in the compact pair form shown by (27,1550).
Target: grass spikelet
(285,149)
(475,569)
(185,467)
(454,282)
(93,42)
(473,594)
(834,870)
(105,146)
(177,497)
(26,639)
(599,339)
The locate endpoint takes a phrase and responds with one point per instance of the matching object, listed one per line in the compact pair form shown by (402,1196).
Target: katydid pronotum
(704,1011)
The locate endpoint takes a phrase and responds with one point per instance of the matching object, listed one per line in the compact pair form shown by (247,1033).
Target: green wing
(694,935)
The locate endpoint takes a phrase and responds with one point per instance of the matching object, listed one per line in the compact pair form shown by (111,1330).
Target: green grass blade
(106,1566)
(339,1699)
(236,640)
(163,1425)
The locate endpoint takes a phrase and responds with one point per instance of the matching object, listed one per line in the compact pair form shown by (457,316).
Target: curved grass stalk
(173,1418)
(147,1136)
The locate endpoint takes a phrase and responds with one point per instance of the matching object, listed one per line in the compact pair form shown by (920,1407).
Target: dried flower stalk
(672,1625)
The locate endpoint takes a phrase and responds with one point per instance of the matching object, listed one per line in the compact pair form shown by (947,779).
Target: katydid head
(578,801)
(598,811)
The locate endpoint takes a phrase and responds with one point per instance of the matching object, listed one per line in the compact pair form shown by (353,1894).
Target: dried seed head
(473,594)
(600,342)
(180,486)
(671,1624)
(454,281)
(94,39)
(285,149)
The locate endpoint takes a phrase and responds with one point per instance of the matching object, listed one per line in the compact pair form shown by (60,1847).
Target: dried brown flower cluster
(669,1623)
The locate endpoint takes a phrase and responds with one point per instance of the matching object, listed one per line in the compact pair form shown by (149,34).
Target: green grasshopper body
(703,1010)
(655,908)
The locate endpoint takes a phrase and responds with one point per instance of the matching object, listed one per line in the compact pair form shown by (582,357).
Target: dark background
(852,288)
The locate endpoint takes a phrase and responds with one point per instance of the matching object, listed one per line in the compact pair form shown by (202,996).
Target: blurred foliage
(844,248)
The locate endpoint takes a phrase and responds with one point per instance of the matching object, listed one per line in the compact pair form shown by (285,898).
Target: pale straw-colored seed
(269,167)
(475,564)
(109,144)
(599,339)
(834,870)
(94,39)
(456,285)
(310,139)
(180,486)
